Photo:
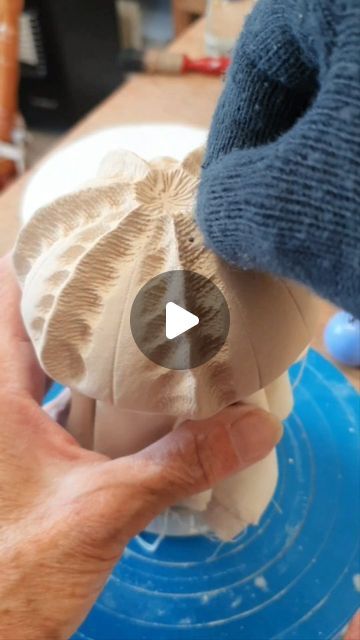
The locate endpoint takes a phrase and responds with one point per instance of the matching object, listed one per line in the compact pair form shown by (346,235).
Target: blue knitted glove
(280,188)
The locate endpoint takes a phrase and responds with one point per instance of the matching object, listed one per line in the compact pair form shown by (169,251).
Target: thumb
(191,459)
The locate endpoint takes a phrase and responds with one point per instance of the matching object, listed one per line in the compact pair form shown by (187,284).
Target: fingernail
(255,434)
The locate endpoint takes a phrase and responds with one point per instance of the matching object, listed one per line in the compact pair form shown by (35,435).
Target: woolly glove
(280,188)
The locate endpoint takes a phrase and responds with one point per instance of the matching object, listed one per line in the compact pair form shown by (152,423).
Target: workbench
(188,99)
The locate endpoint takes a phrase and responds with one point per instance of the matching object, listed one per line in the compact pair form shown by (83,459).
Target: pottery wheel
(296,576)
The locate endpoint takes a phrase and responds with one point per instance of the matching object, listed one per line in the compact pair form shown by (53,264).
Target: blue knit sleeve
(280,188)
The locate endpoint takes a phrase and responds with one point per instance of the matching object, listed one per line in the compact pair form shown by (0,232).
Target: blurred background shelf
(58,85)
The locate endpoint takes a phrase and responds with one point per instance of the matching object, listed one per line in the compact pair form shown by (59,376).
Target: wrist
(26,611)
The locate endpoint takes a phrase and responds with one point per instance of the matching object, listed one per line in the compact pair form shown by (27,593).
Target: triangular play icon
(178,320)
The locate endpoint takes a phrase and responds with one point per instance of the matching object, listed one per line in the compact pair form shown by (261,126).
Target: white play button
(178,320)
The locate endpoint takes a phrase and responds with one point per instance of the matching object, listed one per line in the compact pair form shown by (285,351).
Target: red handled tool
(166,62)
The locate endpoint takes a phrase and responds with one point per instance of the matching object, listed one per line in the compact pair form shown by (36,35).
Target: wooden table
(184,99)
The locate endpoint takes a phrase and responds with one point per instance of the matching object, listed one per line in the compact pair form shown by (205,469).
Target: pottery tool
(294,577)
(166,62)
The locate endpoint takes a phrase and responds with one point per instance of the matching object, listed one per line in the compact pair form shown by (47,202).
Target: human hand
(66,513)
(353,632)
(280,186)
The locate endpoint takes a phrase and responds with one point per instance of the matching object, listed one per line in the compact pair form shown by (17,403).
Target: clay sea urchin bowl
(82,260)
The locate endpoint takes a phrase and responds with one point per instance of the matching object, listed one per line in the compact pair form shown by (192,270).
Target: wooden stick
(10,11)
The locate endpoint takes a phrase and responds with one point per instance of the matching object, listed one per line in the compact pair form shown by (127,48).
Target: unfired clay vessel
(82,260)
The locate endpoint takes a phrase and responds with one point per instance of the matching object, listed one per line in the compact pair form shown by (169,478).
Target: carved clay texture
(82,260)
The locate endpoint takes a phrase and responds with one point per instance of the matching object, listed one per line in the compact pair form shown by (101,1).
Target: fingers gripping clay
(82,260)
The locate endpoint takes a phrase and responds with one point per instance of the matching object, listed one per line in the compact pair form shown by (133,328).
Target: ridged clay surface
(82,260)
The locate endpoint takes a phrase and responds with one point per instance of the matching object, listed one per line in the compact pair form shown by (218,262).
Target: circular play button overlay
(179,319)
